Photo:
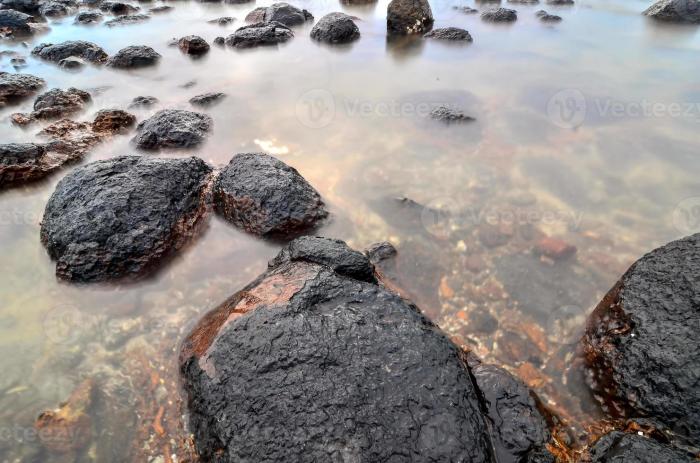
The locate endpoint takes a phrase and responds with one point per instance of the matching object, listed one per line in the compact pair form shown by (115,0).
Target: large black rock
(77,48)
(259,34)
(16,87)
(16,22)
(409,17)
(118,218)
(306,364)
(135,56)
(618,447)
(264,196)
(173,128)
(641,343)
(335,28)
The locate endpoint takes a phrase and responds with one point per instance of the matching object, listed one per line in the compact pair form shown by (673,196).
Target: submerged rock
(618,447)
(499,15)
(88,17)
(282,13)
(119,218)
(77,48)
(143,102)
(335,28)
(681,11)
(207,99)
(135,56)
(54,104)
(546,17)
(69,427)
(55,9)
(450,33)
(160,9)
(128,19)
(16,22)
(465,9)
(641,341)
(259,34)
(306,364)
(113,121)
(16,87)
(193,45)
(449,114)
(264,196)
(173,128)
(560,2)
(223,21)
(72,63)
(409,17)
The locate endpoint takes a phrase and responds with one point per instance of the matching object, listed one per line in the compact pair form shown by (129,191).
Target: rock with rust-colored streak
(68,428)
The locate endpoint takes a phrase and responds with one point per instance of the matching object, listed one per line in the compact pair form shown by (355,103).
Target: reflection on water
(586,131)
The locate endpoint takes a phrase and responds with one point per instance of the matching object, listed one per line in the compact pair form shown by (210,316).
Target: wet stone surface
(172,128)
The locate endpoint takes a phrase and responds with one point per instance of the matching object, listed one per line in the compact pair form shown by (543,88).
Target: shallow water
(586,130)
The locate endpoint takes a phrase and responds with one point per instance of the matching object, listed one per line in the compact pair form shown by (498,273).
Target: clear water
(587,130)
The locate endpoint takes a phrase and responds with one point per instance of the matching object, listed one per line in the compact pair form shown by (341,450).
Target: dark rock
(72,63)
(16,22)
(220,41)
(265,197)
(519,427)
(113,121)
(88,17)
(54,10)
(119,218)
(16,87)
(56,103)
(409,17)
(618,447)
(160,9)
(207,99)
(25,6)
(546,17)
(465,9)
(143,102)
(305,364)
(560,2)
(449,114)
(259,34)
(334,254)
(78,48)
(282,13)
(118,8)
(193,45)
(379,252)
(135,56)
(173,128)
(499,15)
(22,162)
(680,11)
(641,341)
(223,21)
(449,33)
(257,15)
(128,19)
(335,28)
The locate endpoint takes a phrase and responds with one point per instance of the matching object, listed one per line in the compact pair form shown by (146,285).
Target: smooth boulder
(135,56)
(17,87)
(173,128)
(78,48)
(335,28)
(259,34)
(119,218)
(680,11)
(264,196)
(641,342)
(409,17)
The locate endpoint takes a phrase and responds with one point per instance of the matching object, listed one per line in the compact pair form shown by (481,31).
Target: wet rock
(449,114)
(207,99)
(555,248)
(25,6)
(15,22)
(265,197)
(72,63)
(118,8)
(143,102)
(560,2)
(223,21)
(128,19)
(335,28)
(16,87)
(305,364)
(449,33)
(22,162)
(160,9)
(88,17)
(335,254)
(409,17)
(69,427)
(546,17)
(135,56)
(193,45)
(519,427)
(259,34)
(173,128)
(113,121)
(77,48)
(641,341)
(680,11)
(500,15)
(220,41)
(54,10)
(54,104)
(379,252)
(71,140)
(119,218)
(282,13)
(465,9)
(618,447)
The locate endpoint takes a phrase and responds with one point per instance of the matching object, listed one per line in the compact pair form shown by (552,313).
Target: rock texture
(193,45)
(128,19)
(261,33)
(21,162)
(263,196)
(450,33)
(118,8)
(409,17)
(143,102)
(618,447)
(282,13)
(135,56)
(16,87)
(78,48)
(173,128)
(25,6)
(16,23)
(54,104)
(119,218)
(546,17)
(681,11)
(207,100)
(499,15)
(641,341)
(88,17)
(335,28)
(449,114)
